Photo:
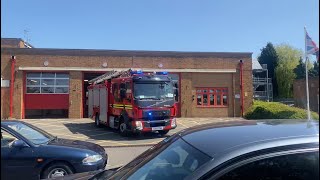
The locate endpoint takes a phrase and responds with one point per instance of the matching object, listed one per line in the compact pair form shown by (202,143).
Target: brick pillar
(248,89)
(18,95)
(75,94)
(5,94)
(248,85)
(186,95)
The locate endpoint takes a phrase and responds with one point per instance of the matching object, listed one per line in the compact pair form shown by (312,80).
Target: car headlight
(92,159)
(173,122)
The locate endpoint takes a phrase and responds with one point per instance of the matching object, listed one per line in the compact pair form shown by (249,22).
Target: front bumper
(80,167)
(154,125)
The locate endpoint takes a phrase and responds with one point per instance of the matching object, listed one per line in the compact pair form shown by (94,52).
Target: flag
(311,46)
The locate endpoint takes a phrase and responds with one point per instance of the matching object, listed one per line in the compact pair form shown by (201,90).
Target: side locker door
(103,104)
(96,97)
(90,103)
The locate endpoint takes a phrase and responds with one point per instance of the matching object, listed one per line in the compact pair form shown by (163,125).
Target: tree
(300,70)
(269,57)
(288,60)
(314,71)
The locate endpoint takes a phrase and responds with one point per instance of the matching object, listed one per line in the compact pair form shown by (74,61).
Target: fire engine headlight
(92,159)
(173,122)
(139,125)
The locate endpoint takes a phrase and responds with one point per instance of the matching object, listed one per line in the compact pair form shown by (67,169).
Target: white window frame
(54,86)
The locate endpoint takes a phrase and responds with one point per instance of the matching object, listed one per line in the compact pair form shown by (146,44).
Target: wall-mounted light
(46,63)
(105,64)
(160,65)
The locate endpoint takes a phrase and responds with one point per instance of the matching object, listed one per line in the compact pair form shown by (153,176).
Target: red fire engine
(133,101)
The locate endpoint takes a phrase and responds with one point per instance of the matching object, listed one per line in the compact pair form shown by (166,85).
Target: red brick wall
(5,94)
(189,81)
(299,93)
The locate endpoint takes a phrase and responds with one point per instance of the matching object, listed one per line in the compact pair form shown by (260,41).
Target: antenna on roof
(26,35)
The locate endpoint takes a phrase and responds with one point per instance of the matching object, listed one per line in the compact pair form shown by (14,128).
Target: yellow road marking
(178,123)
(194,122)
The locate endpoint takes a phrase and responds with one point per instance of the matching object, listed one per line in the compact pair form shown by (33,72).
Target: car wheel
(56,170)
(123,129)
(97,121)
(162,133)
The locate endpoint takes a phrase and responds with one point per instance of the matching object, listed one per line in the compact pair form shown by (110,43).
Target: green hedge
(275,110)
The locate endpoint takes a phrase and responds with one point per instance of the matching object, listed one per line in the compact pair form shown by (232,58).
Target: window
(47,83)
(116,92)
(6,139)
(156,91)
(128,91)
(33,135)
(212,97)
(128,87)
(294,166)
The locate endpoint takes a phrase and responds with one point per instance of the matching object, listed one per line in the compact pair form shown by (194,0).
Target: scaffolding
(262,84)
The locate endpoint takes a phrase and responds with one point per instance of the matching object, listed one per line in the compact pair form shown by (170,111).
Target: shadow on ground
(105,133)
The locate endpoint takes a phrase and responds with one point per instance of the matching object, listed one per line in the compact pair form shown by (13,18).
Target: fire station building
(52,83)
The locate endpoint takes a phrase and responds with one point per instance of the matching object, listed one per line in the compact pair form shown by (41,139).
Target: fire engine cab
(133,102)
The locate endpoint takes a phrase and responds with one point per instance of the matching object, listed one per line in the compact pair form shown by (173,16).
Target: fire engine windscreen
(158,91)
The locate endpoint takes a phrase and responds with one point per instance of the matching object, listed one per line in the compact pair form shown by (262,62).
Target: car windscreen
(35,136)
(145,156)
(177,161)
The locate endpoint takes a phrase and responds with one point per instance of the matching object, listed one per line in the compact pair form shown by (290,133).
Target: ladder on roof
(110,75)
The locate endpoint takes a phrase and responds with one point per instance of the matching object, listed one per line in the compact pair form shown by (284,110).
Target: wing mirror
(19,144)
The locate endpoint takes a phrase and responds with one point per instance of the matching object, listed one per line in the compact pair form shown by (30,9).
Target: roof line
(122,69)
(102,52)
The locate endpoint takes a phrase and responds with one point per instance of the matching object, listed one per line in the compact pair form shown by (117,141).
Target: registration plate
(157,128)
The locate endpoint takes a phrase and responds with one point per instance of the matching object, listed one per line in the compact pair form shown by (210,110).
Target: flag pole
(307,83)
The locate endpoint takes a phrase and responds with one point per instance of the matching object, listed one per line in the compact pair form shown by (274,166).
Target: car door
(293,165)
(16,163)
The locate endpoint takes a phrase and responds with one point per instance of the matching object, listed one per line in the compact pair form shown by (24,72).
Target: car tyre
(97,121)
(56,170)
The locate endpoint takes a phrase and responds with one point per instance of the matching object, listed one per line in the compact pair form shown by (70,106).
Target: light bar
(137,72)
(162,73)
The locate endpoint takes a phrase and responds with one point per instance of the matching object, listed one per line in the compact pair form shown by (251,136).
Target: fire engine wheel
(97,121)
(123,129)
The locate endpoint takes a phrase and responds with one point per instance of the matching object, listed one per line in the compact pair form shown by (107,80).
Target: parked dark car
(28,152)
(272,149)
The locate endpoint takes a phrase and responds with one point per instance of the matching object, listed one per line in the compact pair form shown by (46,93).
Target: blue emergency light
(162,73)
(137,72)
(150,113)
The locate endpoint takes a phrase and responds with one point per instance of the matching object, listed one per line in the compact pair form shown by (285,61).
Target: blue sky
(173,25)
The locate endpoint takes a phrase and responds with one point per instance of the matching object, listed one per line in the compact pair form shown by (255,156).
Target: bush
(275,110)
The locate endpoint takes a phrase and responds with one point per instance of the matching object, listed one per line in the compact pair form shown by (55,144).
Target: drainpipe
(13,63)
(241,86)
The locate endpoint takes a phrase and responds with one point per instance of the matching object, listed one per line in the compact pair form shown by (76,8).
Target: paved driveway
(85,130)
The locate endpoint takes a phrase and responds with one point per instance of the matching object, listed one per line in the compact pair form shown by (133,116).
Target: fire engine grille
(156,124)
(156,114)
